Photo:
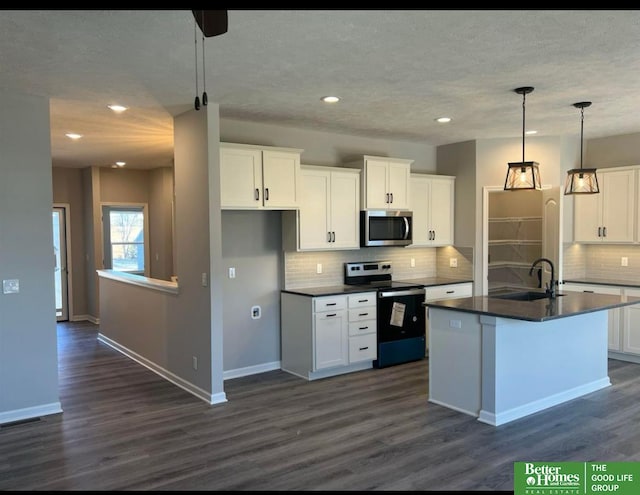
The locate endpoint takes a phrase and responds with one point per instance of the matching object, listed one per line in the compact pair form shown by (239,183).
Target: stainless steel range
(400,312)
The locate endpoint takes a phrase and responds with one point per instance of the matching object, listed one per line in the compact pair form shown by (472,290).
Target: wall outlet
(413,262)
(319,268)
(205,279)
(11,286)
(256,312)
(455,323)
(232,272)
(624,261)
(453,262)
(195,362)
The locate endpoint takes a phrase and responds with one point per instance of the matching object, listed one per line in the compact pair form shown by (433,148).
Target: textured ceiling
(396,71)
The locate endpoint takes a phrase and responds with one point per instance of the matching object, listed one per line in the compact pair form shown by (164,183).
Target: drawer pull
(331,304)
(450,291)
(363,300)
(363,314)
(332,314)
(363,328)
(364,348)
(589,291)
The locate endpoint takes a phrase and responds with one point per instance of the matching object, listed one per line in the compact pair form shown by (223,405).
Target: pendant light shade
(523,175)
(581,180)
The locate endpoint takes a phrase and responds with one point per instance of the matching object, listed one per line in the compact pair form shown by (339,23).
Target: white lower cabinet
(448,291)
(631,325)
(614,343)
(327,335)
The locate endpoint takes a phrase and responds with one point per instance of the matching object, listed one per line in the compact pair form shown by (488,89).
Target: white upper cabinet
(610,215)
(384,182)
(258,177)
(328,217)
(432,203)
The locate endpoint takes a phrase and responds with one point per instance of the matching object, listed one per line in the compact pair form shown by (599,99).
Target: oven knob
(386,267)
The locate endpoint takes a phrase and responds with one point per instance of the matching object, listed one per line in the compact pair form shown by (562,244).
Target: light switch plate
(11,286)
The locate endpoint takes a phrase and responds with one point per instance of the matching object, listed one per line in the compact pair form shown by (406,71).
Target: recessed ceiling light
(121,164)
(443,120)
(531,132)
(330,99)
(73,135)
(117,108)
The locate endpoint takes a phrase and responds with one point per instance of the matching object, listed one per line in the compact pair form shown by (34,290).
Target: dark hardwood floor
(125,428)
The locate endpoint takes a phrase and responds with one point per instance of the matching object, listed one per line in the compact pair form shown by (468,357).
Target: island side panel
(454,360)
(530,366)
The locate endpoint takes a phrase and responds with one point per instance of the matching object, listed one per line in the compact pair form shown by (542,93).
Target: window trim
(106,207)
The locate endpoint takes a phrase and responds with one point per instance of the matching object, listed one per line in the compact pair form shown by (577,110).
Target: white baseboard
(497,419)
(251,370)
(30,412)
(166,374)
(89,318)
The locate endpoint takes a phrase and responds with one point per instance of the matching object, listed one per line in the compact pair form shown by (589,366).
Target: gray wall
(613,151)
(166,329)
(28,350)
(161,222)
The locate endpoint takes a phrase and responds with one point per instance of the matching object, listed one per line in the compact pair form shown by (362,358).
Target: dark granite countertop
(334,290)
(565,305)
(434,281)
(599,281)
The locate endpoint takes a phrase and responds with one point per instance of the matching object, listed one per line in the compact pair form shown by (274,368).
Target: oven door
(401,314)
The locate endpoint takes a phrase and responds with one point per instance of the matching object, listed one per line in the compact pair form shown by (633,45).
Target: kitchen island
(503,359)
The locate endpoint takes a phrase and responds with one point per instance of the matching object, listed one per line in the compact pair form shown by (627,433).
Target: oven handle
(398,293)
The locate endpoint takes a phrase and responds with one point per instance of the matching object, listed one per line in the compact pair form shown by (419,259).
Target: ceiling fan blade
(215,22)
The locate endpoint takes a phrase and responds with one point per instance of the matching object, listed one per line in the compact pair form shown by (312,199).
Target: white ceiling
(396,71)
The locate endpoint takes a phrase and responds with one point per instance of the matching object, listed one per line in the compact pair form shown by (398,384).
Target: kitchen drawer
(362,348)
(365,299)
(362,314)
(448,291)
(362,327)
(329,303)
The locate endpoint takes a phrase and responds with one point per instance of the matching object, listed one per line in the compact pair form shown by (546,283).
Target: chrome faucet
(551,285)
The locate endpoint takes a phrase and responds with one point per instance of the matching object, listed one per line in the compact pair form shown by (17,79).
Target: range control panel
(367,269)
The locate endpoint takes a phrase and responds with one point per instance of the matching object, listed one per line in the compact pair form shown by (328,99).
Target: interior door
(551,233)
(60,263)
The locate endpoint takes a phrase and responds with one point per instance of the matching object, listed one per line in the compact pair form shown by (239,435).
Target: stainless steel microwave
(386,228)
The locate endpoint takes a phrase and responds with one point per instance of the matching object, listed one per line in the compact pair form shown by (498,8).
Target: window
(124,238)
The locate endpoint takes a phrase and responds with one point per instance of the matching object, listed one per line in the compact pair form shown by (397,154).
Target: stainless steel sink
(524,296)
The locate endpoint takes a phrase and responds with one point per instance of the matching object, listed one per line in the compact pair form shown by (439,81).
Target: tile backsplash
(301,267)
(602,262)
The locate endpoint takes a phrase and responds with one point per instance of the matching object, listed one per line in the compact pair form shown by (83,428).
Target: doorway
(61,262)
(520,227)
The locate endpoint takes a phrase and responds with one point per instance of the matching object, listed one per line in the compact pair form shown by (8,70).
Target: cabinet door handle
(392,197)
(363,314)
(434,235)
(257,194)
(331,304)
(387,201)
(599,231)
(363,328)
(604,232)
(363,300)
(333,239)
(266,194)
(364,348)
(589,291)
(450,291)
(332,314)
(328,236)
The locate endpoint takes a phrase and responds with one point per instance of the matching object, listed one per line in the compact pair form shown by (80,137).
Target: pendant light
(581,180)
(522,175)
